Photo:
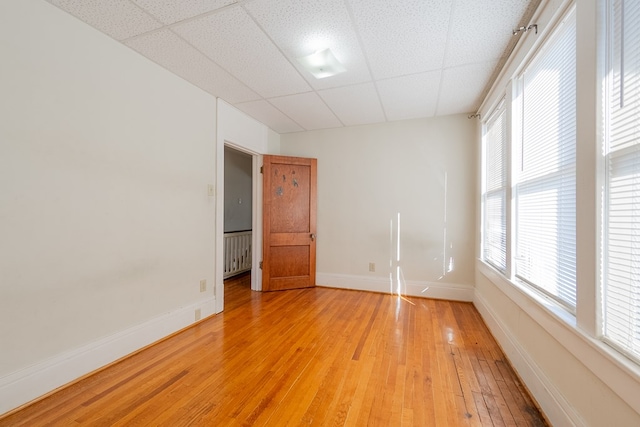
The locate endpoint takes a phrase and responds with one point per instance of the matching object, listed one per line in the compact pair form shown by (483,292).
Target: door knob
(313,237)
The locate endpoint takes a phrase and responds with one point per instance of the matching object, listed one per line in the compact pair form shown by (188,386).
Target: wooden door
(289,223)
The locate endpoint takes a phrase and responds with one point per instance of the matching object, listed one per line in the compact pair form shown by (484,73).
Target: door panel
(289,186)
(289,223)
(289,261)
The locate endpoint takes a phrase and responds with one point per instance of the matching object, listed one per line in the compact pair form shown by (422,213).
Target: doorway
(256,219)
(238,224)
(257,228)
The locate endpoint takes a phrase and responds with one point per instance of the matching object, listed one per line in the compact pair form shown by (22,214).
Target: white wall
(237,190)
(105,222)
(422,170)
(273,142)
(575,378)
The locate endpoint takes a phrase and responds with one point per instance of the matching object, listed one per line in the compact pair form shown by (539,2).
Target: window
(494,239)
(621,242)
(545,169)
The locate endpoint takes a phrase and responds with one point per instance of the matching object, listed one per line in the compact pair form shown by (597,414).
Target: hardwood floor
(306,357)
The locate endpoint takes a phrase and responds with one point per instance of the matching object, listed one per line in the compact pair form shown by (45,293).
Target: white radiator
(237,253)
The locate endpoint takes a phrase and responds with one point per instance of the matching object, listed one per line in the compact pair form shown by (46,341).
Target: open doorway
(238,211)
(232,150)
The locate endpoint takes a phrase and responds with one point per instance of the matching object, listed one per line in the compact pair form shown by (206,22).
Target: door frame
(256,221)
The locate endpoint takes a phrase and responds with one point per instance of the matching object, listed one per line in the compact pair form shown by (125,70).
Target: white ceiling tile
(301,27)
(354,105)
(174,11)
(410,96)
(119,19)
(308,110)
(177,56)
(462,87)
(269,115)
(402,37)
(233,40)
(404,58)
(478,31)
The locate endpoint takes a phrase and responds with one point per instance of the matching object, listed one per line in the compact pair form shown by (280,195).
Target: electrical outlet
(198,314)
(203,285)
(372,266)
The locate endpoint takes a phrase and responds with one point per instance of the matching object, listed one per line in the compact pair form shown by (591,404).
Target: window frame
(500,110)
(517,142)
(609,156)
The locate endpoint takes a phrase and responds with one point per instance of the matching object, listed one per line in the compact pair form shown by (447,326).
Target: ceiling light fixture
(322,64)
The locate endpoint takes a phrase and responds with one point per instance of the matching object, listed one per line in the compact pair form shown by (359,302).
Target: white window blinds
(621,246)
(546,175)
(494,195)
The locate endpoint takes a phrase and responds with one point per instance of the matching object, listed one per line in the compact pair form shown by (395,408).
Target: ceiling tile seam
(237,4)
(125,40)
(146,33)
(146,12)
(219,66)
(417,73)
(444,56)
(255,21)
(162,27)
(206,57)
(285,114)
(382,107)
(267,100)
(183,21)
(301,93)
(349,85)
(471,64)
(468,64)
(480,96)
(447,47)
(292,64)
(437,103)
(136,5)
(347,6)
(329,108)
(172,72)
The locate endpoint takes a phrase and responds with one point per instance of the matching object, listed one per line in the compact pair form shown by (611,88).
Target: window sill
(510,287)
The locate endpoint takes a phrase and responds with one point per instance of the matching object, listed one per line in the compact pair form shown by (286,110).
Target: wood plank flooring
(306,357)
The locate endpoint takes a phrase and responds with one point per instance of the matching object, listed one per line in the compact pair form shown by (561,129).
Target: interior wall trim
(437,290)
(620,374)
(552,403)
(30,383)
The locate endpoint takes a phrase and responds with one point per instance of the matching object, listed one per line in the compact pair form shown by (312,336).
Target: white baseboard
(556,408)
(448,291)
(29,383)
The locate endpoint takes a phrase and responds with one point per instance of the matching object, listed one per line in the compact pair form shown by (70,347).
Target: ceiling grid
(403,59)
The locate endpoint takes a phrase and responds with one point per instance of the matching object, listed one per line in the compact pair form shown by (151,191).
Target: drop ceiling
(404,58)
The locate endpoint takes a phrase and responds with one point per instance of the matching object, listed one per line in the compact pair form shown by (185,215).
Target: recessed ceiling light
(322,64)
